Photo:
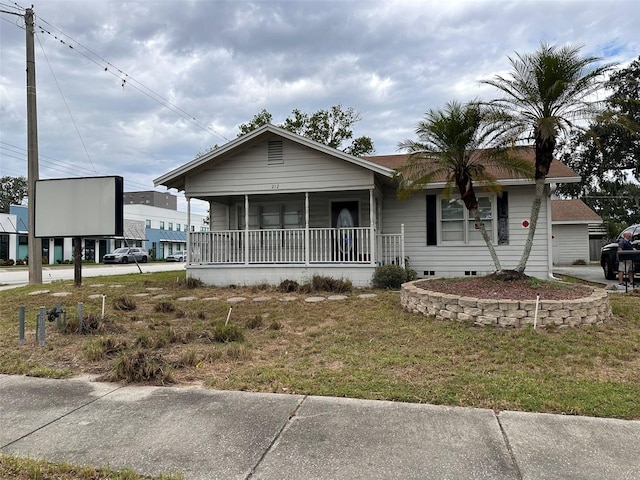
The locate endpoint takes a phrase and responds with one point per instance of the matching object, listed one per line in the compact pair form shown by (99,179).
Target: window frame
(467,239)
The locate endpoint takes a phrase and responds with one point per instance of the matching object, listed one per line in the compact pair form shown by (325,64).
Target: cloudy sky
(137,88)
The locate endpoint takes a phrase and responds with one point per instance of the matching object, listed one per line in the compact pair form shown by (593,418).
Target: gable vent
(275,154)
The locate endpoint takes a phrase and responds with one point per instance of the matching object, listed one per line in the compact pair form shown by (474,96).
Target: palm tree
(545,94)
(449,147)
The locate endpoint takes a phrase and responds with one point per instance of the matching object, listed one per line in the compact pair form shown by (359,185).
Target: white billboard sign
(79,207)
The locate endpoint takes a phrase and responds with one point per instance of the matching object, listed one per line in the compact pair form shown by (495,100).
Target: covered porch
(270,251)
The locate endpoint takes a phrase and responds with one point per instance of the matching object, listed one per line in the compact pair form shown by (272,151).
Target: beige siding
(219,214)
(319,207)
(570,244)
(303,170)
(447,261)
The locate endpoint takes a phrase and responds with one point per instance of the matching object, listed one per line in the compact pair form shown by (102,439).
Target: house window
(275,153)
(147,223)
(456,226)
(268,216)
(161,225)
(177,227)
(170,225)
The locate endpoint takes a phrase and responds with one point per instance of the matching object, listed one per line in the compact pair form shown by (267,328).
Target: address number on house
(275,186)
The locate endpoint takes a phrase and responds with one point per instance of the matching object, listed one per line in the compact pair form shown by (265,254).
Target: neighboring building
(152,199)
(285,207)
(570,224)
(160,230)
(8,238)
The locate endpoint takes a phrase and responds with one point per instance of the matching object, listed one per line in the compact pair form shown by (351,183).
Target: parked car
(180,256)
(127,255)
(609,254)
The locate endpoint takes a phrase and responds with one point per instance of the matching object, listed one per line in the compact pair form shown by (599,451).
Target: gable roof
(384,165)
(573,211)
(558,172)
(176,178)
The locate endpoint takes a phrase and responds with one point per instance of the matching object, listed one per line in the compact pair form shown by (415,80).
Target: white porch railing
(325,245)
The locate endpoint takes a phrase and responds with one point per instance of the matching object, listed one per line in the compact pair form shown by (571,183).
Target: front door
(344,217)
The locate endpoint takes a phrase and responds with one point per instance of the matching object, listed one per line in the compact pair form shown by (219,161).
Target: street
(12,277)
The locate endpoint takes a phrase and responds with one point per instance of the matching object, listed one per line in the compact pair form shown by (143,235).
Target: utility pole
(35,244)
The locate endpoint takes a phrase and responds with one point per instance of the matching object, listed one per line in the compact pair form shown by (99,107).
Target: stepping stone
(158,297)
(314,299)
(262,299)
(367,295)
(39,292)
(116,286)
(236,299)
(187,299)
(211,299)
(337,297)
(61,294)
(95,295)
(141,295)
(153,289)
(287,299)
(97,285)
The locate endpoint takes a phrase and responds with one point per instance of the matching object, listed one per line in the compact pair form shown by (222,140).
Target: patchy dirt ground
(509,286)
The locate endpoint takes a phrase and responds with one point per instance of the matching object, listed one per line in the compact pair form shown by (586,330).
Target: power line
(127,79)
(73,120)
(60,165)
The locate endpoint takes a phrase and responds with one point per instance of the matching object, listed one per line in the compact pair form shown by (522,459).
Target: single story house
(570,223)
(283,207)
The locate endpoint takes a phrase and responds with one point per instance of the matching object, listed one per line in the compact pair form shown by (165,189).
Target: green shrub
(288,286)
(225,333)
(164,307)
(327,284)
(392,276)
(190,283)
(98,348)
(255,322)
(140,366)
(124,304)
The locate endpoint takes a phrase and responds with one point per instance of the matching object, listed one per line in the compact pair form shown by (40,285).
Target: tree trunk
(487,240)
(535,213)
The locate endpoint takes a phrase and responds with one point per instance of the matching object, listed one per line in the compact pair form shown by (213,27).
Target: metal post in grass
(80,317)
(21,325)
(58,314)
(41,324)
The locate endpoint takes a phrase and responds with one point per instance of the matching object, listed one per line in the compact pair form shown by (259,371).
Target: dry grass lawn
(157,330)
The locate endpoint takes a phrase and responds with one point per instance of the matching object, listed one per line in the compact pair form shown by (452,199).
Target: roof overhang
(176,178)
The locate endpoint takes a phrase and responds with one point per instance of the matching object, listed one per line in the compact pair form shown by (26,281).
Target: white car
(180,256)
(126,255)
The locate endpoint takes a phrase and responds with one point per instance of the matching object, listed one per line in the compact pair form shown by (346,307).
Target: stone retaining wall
(506,313)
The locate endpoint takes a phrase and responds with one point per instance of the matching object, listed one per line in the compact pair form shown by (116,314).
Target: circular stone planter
(506,313)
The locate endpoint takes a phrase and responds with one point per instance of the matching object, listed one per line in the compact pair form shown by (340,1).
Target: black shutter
(432,220)
(503,219)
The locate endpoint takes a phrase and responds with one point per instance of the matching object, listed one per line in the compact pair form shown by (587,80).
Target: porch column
(246,229)
(372,226)
(188,232)
(402,264)
(307,240)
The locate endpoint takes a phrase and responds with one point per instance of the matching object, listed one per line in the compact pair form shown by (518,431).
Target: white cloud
(219,63)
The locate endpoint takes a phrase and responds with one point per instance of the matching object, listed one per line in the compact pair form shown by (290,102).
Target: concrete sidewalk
(207,434)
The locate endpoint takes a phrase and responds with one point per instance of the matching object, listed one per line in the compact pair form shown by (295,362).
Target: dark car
(126,255)
(609,254)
